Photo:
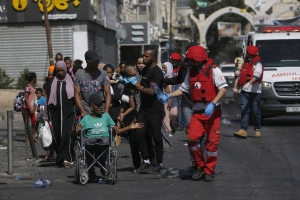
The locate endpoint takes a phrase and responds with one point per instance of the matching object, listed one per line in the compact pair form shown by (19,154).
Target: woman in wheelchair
(96,128)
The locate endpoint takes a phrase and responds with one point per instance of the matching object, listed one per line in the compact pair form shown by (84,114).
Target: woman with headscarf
(61,107)
(171,109)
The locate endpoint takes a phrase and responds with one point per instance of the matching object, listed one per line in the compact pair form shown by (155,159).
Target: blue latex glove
(133,80)
(209,109)
(163,98)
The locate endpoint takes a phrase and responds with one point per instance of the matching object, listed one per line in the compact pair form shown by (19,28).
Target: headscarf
(67,79)
(169,69)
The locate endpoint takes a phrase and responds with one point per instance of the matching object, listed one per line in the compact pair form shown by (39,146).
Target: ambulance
(279,49)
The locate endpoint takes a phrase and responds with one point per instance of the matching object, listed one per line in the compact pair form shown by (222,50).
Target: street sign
(134,33)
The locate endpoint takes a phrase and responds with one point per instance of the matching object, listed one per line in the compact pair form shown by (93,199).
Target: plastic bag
(45,135)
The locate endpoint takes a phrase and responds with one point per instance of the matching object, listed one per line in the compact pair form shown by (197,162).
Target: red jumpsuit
(203,90)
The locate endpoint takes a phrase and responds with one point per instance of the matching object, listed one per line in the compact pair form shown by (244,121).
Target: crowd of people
(123,96)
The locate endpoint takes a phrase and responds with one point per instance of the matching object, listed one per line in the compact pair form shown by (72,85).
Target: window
(182,3)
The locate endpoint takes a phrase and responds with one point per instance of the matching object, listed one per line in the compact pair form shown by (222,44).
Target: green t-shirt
(97,127)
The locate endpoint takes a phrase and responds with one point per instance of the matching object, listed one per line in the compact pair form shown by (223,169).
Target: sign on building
(262,20)
(3,11)
(134,33)
(227,29)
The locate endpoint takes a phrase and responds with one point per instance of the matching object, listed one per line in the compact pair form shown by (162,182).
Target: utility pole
(170,32)
(47,26)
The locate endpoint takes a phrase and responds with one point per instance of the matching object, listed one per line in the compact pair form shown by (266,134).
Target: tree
(5,79)
(221,46)
(22,82)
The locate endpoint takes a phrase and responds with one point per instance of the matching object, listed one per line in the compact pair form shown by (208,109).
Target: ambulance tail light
(278,29)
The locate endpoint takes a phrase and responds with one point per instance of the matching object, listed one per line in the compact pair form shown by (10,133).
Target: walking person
(151,111)
(29,103)
(249,80)
(61,107)
(207,86)
(91,80)
(171,109)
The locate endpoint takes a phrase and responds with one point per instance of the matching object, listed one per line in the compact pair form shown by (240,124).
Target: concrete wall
(7,97)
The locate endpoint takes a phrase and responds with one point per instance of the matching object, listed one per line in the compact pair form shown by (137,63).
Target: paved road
(264,168)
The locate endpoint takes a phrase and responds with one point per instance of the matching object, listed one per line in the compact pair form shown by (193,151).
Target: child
(40,104)
(96,125)
(29,103)
(239,61)
(128,103)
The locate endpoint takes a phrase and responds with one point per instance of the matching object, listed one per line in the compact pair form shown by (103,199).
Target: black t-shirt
(151,103)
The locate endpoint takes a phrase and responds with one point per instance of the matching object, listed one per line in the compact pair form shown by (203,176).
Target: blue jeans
(250,101)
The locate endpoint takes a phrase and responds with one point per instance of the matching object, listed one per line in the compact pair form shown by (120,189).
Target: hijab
(169,69)
(67,79)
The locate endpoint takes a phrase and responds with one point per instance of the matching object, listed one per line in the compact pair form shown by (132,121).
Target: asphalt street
(252,168)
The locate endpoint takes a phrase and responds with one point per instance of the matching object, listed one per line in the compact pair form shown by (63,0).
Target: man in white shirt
(206,85)
(249,80)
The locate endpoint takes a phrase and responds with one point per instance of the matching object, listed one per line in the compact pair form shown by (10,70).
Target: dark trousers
(154,122)
(135,149)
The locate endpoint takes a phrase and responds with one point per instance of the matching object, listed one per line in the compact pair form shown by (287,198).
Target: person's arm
(78,102)
(220,95)
(179,78)
(28,104)
(236,87)
(130,109)
(133,125)
(107,97)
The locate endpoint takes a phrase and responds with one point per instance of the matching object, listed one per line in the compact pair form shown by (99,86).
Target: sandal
(68,165)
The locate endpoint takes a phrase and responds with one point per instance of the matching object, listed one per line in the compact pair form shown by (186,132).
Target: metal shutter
(103,41)
(27,47)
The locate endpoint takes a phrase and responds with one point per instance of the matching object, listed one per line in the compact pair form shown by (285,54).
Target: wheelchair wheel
(84,178)
(77,162)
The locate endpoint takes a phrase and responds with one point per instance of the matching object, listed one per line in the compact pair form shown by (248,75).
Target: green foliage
(5,79)
(22,82)
(221,47)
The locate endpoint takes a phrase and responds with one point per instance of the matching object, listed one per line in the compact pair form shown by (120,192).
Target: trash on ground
(177,173)
(19,177)
(225,122)
(41,183)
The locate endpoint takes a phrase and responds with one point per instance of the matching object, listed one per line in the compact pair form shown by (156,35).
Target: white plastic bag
(45,135)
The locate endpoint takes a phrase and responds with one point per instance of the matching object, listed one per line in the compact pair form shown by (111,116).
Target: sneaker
(145,167)
(209,177)
(171,135)
(257,133)
(197,174)
(241,133)
(158,167)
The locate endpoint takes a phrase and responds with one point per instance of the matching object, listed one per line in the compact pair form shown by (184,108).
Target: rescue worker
(206,85)
(249,80)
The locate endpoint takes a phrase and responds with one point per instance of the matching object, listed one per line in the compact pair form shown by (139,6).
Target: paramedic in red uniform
(207,86)
(249,81)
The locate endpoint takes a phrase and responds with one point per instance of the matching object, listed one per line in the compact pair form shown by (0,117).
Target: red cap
(175,56)
(252,50)
(197,53)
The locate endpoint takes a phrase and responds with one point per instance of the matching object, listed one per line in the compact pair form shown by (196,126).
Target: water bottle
(40,183)
(156,89)
(102,181)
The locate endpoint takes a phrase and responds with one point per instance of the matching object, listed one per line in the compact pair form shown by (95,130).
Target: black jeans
(154,122)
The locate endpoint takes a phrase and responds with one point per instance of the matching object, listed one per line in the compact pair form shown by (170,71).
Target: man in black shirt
(151,111)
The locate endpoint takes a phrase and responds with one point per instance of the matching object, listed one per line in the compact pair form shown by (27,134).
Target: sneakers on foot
(197,174)
(171,135)
(209,177)
(241,133)
(158,167)
(145,167)
(257,133)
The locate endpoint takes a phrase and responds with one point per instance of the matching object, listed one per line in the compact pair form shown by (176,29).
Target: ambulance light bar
(277,29)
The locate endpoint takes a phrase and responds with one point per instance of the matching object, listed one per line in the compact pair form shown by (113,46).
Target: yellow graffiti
(20,5)
(58,4)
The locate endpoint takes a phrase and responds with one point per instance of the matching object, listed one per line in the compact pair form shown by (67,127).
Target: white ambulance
(279,49)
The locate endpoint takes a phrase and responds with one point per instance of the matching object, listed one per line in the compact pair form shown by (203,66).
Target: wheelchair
(109,167)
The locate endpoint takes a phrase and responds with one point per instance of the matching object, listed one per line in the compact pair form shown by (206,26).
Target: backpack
(19,100)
